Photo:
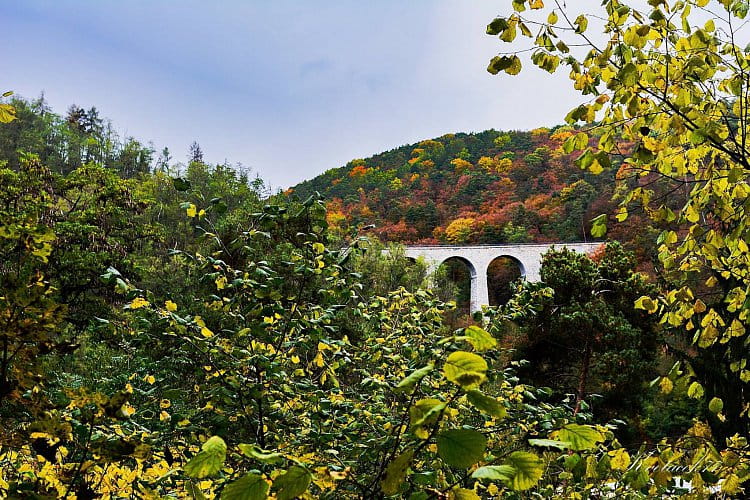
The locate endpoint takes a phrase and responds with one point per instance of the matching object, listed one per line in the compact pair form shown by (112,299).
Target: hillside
(487,187)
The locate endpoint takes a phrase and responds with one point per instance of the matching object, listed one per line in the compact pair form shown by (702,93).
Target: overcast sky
(288,88)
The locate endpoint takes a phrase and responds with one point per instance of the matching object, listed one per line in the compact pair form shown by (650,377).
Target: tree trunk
(583,377)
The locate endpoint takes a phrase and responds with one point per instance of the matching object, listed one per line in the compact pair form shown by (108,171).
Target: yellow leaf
(7,113)
(127,410)
(730,485)
(620,459)
(139,302)
(595,167)
(206,332)
(221,282)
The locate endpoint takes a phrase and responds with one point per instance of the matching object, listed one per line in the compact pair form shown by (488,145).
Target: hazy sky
(288,88)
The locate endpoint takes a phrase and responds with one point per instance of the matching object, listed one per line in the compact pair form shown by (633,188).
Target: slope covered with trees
(488,187)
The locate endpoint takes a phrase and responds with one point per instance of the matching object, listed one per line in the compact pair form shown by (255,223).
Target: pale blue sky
(288,88)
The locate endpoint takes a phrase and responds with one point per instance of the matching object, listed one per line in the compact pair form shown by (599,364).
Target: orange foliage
(359,171)
(542,204)
(397,232)
(623,172)
(598,254)
(561,134)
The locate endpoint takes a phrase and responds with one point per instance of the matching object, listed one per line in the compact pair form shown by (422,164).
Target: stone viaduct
(479,257)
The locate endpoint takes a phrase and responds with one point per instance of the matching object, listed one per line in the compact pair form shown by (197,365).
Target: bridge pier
(479,257)
(480,290)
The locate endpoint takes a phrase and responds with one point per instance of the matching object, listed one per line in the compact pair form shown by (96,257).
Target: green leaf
(414,377)
(497,26)
(479,339)
(249,487)
(550,443)
(465,369)
(580,437)
(715,405)
(628,75)
(425,411)
(647,304)
(740,8)
(395,473)
(495,473)
(253,451)
(568,145)
(581,23)
(695,390)
(528,470)
(215,444)
(599,226)
(487,404)
(292,483)
(464,494)
(461,447)
(580,141)
(509,64)
(509,33)
(210,459)
(585,160)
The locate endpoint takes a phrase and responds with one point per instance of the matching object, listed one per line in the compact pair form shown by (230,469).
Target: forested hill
(487,187)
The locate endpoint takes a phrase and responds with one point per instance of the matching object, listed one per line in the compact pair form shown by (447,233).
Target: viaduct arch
(479,257)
